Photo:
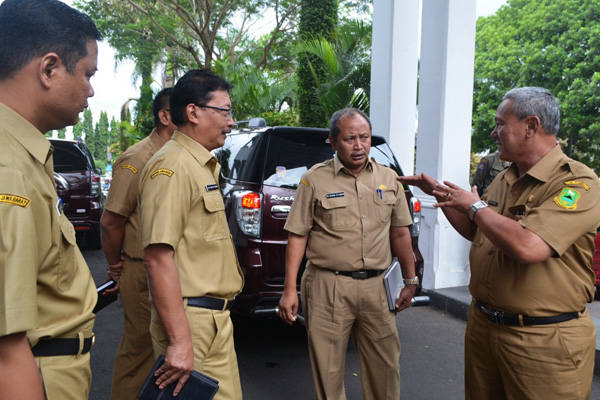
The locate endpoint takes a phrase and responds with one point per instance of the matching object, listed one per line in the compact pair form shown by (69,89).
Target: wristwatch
(411,281)
(478,205)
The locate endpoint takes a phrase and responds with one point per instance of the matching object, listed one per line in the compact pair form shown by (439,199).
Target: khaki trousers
(66,377)
(544,362)
(336,306)
(135,356)
(214,352)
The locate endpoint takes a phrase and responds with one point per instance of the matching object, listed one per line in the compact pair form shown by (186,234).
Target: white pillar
(444,133)
(394,64)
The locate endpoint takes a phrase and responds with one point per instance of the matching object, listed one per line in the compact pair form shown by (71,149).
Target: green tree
(61,133)
(347,61)
(550,43)
(85,127)
(318,19)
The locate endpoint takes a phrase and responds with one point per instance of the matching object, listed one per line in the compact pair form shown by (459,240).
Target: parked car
(85,200)
(260,171)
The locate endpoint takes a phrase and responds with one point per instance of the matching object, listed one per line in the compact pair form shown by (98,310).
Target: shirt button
(365,256)
(365,236)
(364,216)
(361,196)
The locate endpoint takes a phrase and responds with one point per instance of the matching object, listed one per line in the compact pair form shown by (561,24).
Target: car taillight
(248,212)
(96,185)
(415,213)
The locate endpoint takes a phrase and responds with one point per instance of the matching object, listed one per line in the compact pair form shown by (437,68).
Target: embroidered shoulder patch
(14,199)
(304,182)
(567,198)
(130,167)
(162,171)
(481,165)
(578,183)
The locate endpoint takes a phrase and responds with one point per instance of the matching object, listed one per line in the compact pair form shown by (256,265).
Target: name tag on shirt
(332,195)
(212,187)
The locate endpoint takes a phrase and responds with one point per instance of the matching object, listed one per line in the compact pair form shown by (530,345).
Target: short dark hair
(334,123)
(32,28)
(537,101)
(161,102)
(196,86)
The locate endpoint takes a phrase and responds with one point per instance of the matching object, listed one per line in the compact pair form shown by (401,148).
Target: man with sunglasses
(190,258)
(122,246)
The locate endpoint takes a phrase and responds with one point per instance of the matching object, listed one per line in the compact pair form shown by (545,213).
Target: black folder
(103,300)
(197,387)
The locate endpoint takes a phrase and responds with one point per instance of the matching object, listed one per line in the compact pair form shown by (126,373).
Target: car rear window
(68,157)
(279,156)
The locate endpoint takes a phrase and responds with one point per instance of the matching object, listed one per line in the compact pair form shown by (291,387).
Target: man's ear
(332,143)
(533,124)
(48,68)
(165,117)
(191,111)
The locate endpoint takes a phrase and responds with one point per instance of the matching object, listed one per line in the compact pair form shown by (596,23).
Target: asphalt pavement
(273,357)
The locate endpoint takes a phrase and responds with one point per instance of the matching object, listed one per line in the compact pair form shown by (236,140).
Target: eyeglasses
(229,111)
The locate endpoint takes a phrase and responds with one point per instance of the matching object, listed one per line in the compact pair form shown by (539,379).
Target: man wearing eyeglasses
(190,258)
(122,246)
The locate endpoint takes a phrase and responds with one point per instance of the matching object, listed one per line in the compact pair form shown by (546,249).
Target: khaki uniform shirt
(487,169)
(181,205)
(557,199)
(123,194)
(46,287)
(348,217)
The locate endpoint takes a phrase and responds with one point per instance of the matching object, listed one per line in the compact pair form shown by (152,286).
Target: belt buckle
(496,317)
(360,274)
(93,340)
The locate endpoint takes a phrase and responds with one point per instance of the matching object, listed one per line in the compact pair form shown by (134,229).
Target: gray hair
(334,123)
(536,101)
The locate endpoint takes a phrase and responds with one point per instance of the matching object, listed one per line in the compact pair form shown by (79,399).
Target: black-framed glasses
(229,111)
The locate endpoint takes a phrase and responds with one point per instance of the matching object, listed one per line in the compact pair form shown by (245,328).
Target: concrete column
(444,133)
(394,64)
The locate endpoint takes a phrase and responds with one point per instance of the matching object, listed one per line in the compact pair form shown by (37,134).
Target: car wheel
(92,240)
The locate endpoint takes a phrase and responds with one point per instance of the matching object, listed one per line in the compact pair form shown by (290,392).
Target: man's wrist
(411,281)
(475,207)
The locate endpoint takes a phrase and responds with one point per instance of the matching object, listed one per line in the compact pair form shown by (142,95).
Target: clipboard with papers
(393,282)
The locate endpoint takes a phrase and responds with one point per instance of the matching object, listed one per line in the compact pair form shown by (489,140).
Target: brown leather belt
(500,318)
(211,303)
(360,274)
(62,347)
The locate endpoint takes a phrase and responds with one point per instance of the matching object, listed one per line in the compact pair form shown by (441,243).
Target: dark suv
(74,163)
(260,170)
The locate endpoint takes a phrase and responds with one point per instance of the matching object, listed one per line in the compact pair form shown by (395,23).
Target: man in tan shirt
(188,251)
(346,213)
(49,53)
(122,246)
(529,335)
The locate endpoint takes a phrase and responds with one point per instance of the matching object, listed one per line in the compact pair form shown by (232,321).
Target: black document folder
(197,387)
(103,300)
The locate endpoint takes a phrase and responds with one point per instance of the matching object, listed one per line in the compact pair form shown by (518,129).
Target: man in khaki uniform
(49,53)
(345,214)
(122,245)
(529,335)
(192,266)
(489,166)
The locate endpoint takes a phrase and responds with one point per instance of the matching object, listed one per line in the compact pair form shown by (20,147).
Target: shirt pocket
(384,203)
(67,267)
(336,214)
(214,225)
(518,212)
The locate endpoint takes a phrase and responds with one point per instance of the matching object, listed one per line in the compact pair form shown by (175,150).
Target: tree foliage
(318,19)
(550,43)
(347,62)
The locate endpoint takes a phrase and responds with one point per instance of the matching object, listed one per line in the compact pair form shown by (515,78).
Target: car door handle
(281,209)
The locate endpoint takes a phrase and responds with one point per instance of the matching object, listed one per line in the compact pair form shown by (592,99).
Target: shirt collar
(156,140)
(542,170)
(197,151)
(25,133)
(338,166)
